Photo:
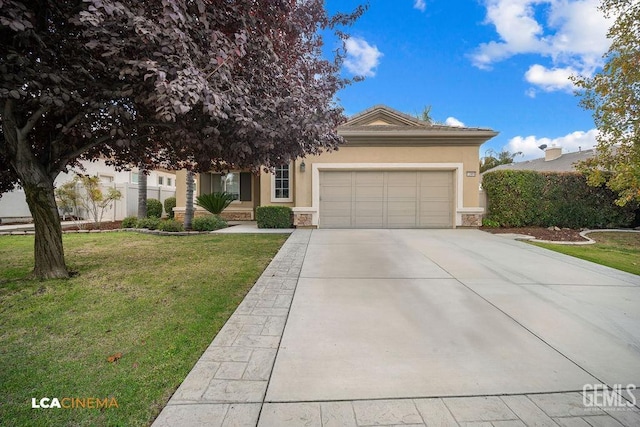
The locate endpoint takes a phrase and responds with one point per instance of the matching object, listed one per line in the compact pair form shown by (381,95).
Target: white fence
(13,205)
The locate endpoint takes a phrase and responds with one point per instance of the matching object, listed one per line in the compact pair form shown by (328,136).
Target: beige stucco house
(394,171)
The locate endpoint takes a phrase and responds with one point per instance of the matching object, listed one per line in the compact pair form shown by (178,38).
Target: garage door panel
(401,179)
(337,208)
(435,178)
(386,199)
(336,193)
(395,192)
(435,193)
(336,178)
(436,207)
(369,208)
(367,179)
(363,193)
(401,208)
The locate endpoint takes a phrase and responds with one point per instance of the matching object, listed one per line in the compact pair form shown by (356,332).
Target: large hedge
(273,216)
(527,198)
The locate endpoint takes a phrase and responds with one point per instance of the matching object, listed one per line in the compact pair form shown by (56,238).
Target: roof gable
(381,115)
(384,126)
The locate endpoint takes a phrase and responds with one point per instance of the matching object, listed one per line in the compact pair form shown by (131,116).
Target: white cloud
(362,58)
(571,33)
(572,142)
(550,79)
(421,5)
(452,121)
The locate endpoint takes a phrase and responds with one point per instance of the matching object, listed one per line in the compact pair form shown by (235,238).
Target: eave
(416,137)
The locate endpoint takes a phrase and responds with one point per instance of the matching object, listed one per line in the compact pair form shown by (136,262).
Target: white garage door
(386,199)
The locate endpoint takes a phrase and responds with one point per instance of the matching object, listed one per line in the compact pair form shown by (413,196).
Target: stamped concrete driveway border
(227,386)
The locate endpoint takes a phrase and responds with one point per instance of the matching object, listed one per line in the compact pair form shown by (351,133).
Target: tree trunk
(38,187)
(48,249)
(142,192)
(188,212)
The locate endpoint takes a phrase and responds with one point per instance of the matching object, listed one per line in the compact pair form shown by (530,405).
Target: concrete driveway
(421,328)
(387,314)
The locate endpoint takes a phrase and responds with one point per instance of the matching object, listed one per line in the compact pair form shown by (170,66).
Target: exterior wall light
(303,167)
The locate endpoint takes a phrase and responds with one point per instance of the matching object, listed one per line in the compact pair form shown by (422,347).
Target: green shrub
(215,202)
(208,223)
(486,222)
(151,223)
(154,208)
(273,216)
(130,222)
(170,225)
(527,198)
(169,204)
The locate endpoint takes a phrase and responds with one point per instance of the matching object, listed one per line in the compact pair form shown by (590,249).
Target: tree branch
(55,145)
(31,122)
(74,120)
(64,159)
(9,124)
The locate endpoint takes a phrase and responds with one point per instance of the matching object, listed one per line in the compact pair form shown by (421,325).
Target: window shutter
(245,186)
(216,184)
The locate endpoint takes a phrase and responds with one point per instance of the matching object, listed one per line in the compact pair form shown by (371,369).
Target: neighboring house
(394,171)
(553,161)
(160,185)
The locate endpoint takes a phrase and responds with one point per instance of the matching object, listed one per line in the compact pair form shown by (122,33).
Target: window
(231,184)
(281,184)
(238,184)
(134,177)
(169,182)
(105,179)
(160,180)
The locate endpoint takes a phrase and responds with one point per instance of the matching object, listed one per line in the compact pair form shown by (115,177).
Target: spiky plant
(215,202)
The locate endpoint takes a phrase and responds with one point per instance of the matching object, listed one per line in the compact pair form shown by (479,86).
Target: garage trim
(457,168)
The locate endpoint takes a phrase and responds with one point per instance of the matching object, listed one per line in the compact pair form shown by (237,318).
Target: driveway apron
(387,314)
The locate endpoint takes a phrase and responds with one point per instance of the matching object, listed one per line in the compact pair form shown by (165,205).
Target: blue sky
(502,64)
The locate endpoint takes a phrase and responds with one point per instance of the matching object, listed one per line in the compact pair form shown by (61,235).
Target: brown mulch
(113,225)
(541,233)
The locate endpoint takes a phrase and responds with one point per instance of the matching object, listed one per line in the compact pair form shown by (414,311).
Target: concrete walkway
(242,227)
(421,327)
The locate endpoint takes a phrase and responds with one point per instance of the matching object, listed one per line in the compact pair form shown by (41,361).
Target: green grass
(617,250)
(158,300)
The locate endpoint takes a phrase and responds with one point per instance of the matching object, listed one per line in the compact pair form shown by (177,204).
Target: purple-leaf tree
(201,84)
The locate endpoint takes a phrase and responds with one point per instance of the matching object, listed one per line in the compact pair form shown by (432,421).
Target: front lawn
(617,250)
(157,300)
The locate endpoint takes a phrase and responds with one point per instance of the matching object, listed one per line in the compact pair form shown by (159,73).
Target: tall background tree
(142,192)
(216,83)
(614,96)
(188,214)
(492,159)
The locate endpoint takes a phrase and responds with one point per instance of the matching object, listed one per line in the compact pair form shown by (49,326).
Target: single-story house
(554,160)
(394,171)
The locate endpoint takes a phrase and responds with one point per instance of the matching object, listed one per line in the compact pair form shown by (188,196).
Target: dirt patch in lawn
(541,233)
